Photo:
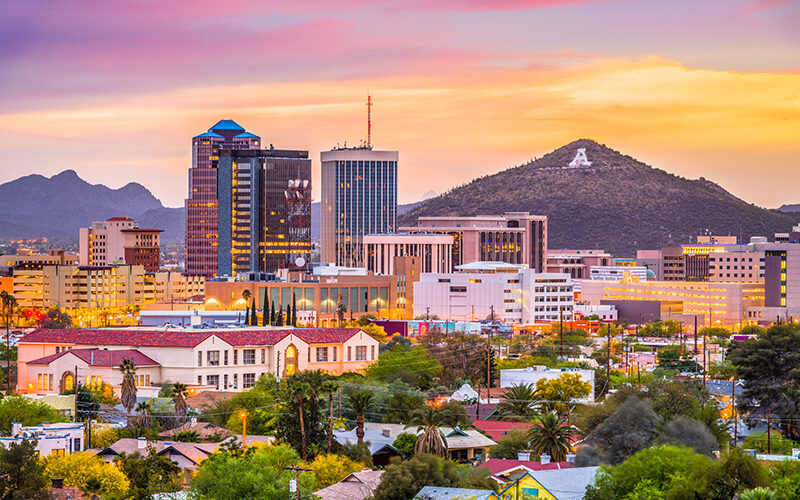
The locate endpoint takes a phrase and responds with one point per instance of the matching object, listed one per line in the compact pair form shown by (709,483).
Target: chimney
(386,433)
(141,443)
(167,443)
(524,455)
(545,459)
(571,458)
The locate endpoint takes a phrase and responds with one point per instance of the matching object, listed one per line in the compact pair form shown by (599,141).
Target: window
(322,354)
(58,452)
(235,380)
(199,358)
(76,444)
(263,356)
(226,358)
(372,352)
(235,357)
(213,380)
(142,380)
(334,353)
(199,380)
(361,353)
(212,358)
(249,357)
(248,380)
(225,381)
(349,353)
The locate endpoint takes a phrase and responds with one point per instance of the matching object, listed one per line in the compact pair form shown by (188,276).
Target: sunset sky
(462,88)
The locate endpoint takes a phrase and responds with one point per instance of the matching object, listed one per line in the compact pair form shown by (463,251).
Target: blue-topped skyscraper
(248,208)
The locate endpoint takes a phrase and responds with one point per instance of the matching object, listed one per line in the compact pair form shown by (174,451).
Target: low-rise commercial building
(120,240)
(508,292)
(576,263)
(51,439)
(725,303)
(73,287)
(26,259)
(612,273)
(229,359)
(435,251)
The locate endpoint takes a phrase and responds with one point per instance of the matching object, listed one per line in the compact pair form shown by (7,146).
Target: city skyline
(461,89)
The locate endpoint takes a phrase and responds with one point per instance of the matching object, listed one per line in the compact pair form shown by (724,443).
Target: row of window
(361,353)
(248,357)
(248,380)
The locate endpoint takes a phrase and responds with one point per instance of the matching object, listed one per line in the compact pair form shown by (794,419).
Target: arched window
(291,360)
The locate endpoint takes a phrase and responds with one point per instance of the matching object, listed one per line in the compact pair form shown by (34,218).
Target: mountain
(35,206)
(617,203)
(790,209)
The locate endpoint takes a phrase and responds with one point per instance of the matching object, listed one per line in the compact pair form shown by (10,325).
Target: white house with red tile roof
(229,359)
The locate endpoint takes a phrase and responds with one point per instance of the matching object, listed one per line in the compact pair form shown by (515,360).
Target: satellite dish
(300,262)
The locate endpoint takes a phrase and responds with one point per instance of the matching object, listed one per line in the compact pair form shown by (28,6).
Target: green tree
(632,427)
(258,473)
(148,474)
(560,393)
(413,365)
(331,468)
(128,388)
(778,444)
(22,472)
(511,444)
(784,478)
(768,367)
(55,318)
(9,302)
(429,420)
(405,443)
(454,414)
(27,411)
(253,314)
(179,393)
(401,405)
(518,403)
(670,358)
(302,396)
(691,433)
(265,317)
(403,480)
(359,402)
(294,310)
(550,436)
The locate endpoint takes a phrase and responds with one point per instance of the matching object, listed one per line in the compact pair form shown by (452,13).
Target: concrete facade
(576,263)
(434,251)
(119,240)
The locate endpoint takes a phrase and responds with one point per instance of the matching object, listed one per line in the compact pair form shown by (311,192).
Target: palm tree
(128,390)
(9,303)
(144,419)
(246,295)
(340,310)
(428,420)
(179,393)
(359,402)
(329,387)
(550,436)
(299,390)
(518,403)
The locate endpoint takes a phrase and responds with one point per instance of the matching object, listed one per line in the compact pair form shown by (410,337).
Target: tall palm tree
(518,403)
(246,295)
(429,420)
(299,391)
(340,310)
(128,390)
(550,436)
(144,419)
(359,402)
(329,387)
(179,393)
(9,303)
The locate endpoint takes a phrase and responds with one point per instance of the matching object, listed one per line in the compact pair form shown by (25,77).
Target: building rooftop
(565,484)
(445,493)
(100,357)
(226,125)
(112,219)
(208,134)
(483,265)
(246,135)
(356,486)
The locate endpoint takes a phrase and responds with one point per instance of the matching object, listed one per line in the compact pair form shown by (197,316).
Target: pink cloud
(759,5)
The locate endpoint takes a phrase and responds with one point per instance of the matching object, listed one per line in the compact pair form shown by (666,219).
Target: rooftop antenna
(369,121)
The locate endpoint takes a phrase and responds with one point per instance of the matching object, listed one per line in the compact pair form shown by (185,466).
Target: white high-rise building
(508,292)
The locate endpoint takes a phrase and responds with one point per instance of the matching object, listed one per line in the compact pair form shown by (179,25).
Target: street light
(243,416)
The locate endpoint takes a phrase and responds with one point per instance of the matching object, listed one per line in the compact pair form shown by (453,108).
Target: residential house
(51,439)
(187,456)
(356,486)
(505,471)
(443,493)
(228,359)
(555,484)
(380,444)
(496,429)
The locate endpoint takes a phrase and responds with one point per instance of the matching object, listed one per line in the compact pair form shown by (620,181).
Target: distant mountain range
(617,203)
(35,206)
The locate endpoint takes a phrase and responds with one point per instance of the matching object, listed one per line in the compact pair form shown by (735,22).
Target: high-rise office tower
(359,196)
(249,209)
(202,203)
(264,218)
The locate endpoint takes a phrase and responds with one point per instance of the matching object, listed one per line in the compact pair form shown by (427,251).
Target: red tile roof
(101,357)
(498,465)
(173,338)
(497,429)
(118,218)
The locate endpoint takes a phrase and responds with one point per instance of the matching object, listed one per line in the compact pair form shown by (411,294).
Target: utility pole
(278,377)
(695,334)
(769,434)
(294,484)
(608,361)
(733,410)
(491,308)
(561,331)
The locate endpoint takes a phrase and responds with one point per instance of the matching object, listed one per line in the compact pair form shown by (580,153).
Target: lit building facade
(120,240)
(202,203)
(30,260)
(576,263)
(219,358)
(74,287)
(514,237)
(508,292)
(264,199)
(359,196)
(434,250)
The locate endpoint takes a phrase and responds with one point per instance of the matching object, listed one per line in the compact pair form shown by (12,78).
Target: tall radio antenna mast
(369,121)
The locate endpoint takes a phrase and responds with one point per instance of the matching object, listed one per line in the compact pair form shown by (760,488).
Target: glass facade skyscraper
(359,196)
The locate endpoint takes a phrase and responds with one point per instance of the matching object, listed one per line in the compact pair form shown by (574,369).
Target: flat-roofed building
(434,251)
(513,237)
(508,292)
(30,260)
(120,240)
(726,303)
(576,263)
(74,287)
